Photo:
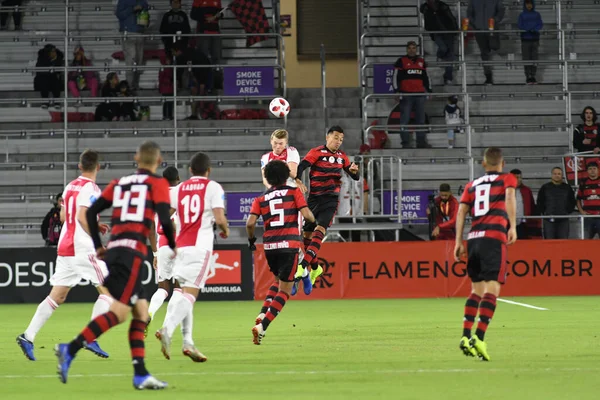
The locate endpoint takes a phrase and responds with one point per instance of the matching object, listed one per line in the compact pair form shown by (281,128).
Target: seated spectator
(51,225)
(79,79)
(17,15)
(198,80)
(585,136)
(207,14)
(439,17)
(109,111)
(50,81)
(531,22)
(175,21)
(127,109)
(165,87)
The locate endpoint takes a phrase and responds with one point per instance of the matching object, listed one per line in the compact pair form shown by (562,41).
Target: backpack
(54,227)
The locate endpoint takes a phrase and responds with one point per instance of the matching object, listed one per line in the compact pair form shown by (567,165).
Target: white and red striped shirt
(161,239)
(290,154)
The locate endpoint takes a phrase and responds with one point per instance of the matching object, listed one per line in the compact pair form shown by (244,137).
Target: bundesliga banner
(428,269)
(25,274)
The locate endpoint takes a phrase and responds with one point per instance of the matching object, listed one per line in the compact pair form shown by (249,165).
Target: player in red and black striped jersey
(135,199)
(588,200)
(492,201)
(279,207)
(326,164)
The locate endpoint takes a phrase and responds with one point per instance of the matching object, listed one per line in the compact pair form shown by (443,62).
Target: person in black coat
(50,81)
(174,21)
(109,111)
(439,17)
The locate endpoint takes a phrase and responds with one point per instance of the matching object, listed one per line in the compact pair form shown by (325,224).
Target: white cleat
(260,317)
(193,353)
(258,334)
(165,342)
(148,382)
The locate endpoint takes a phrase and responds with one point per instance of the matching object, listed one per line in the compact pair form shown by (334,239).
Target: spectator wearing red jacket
(165,87)
(446,208)
(526,228)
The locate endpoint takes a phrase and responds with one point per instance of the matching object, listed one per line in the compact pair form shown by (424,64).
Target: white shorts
(192,266)
(72,270)
(164,263)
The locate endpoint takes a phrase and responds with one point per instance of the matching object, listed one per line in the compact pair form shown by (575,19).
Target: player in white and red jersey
(199,204)
(76,257)
(282,152)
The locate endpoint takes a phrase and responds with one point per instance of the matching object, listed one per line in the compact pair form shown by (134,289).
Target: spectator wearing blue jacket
(133,20)
(530,21)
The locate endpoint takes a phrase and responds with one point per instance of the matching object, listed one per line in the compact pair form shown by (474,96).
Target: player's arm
(104,202)
(63,214)
(293,161)
(152,237)
(461,215)
(303,207)
(511,210)
(221,221)
(81,217)
(351,169)
(251,223)
(251,226)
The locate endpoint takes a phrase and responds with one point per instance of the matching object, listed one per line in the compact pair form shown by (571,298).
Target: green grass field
(374,349)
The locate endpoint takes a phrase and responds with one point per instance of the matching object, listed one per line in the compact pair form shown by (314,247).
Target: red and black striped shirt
(279,207)
(589,195)
(486,197)
(326,170)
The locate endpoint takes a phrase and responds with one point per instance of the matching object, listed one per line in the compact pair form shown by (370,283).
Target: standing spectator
(52,223)
(486,15)
(79,79)
(198,79)
(439,17)
(16,14)
(50,81)
(585,136)
(556,198)
(175,21)
(133,20)
(588,200)
(446,209)
(525,207)
(452,114)
(207,14)
(411,77)
(165,87)
(531,22)
(109,111)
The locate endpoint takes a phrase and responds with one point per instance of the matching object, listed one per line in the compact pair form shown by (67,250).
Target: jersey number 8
(482,200)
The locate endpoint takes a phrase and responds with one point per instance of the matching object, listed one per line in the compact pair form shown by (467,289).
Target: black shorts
(324,209)
(283,264)
(486,260)
(124,280)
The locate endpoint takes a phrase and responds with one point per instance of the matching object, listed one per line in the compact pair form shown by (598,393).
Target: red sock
(136,344)
(307,241)
(471,307)
(95,328)
(486,312)
(313,249)
(270,296)
(276,307)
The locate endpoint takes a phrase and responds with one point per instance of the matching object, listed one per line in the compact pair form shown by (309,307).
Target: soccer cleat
(299,272)
(314,274)
(94,347)
(193,353)
(295,288)
(259,319)
(64,361)
(480,347)
(165,342)
(148,382)
(466,348)
(307,284)
(26,346)
(147,325)
(258,334)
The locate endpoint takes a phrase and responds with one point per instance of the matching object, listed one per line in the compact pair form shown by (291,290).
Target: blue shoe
(295,288)
(94,347)
(26,346)
(307,285)
(64,361)
(148,382)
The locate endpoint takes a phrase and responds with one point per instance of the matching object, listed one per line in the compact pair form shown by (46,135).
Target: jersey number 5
(482,200)
(126,202)
(276,212)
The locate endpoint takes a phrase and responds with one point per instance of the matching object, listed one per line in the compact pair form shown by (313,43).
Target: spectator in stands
(439,17)
(126,108)
(525,207)
(207,14)
(585,136)
(445,211)
(530,21)
(52,224)
(588,200)
(17,15)
(133,20)
(79,79)
(411,78)
(485,15)
(165,87)
(198,80)
(556,198)
(452,114)
(109,111)
(175,21)
(50,81)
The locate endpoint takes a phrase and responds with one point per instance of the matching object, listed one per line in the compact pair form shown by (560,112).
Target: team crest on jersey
(332,159)
(339,160)
(420,64)
(595,131)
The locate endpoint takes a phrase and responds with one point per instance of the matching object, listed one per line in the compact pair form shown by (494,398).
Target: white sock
(157,300)
(102,305)
(175,297)
(180,310)
(43,312)
(187,326)
(306,272)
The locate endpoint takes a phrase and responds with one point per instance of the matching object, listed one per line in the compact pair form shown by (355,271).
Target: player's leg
(94,270)
(271,293)
(472,303)
(326,212)
(164,271)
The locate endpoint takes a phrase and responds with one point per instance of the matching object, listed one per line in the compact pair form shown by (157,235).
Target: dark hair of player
(335,128)
(277,173)
(516,171)
(200,164)
(89,160)
(493,156)
(149,152)
(171,174)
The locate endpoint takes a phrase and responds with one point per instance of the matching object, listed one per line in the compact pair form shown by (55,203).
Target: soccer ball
(279,107)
